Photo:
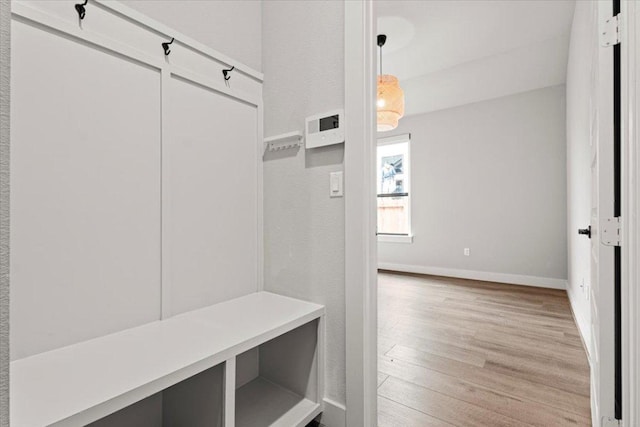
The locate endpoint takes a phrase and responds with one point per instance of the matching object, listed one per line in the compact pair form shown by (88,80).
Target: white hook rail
(284,141)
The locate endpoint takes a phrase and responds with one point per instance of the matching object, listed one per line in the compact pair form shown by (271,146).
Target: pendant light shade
(390,102)
(390,99)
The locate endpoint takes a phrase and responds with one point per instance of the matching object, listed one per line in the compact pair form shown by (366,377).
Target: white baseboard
(334,414)
(514,279)
(580,323)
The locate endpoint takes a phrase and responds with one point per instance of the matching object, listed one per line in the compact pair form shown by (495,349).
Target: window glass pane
(393,186)
(392,168)
(393,215)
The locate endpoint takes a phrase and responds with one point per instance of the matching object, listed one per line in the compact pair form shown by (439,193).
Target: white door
(602,256)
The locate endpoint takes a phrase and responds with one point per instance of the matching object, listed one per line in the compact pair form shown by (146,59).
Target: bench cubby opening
(278,381)
(197,401)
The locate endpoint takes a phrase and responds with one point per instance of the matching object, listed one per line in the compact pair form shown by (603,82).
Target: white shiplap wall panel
(85,200)
(212,194)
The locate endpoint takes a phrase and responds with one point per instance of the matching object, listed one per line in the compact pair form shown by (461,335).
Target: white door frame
(5,58)
(360,215)
(630,87)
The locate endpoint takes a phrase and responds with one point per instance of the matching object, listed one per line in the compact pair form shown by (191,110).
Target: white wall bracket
(610,231)
(284,141)
(610,31)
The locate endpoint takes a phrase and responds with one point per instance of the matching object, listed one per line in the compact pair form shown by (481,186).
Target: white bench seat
(84,382)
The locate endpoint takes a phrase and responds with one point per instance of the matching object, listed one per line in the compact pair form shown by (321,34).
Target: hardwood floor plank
(544,371)
(534,391)
(443,407)
(392,414)
(479,353)
(438,348)
(385,344)
(381,377)
(529,412)
(492,342)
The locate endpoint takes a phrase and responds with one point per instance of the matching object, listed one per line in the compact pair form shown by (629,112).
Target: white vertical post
(260,201)
(320,343)
(360,214)
(230,392)
(165,277)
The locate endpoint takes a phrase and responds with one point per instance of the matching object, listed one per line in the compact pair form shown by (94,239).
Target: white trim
(163,30)
(360,214)
(395,238)
(260,195)
(334,414)
(165,203)
(578,320)
(230,391)
(408,182)
(486,276)
(321,360)
(52,24)
(405,137)
(212,84)
(602,258)
(630,227)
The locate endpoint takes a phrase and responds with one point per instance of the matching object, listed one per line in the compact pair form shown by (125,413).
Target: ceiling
(450,53)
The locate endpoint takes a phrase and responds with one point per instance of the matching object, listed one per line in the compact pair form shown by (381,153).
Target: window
(393,188)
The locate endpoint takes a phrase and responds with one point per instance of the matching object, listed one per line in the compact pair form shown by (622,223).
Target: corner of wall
(303,226)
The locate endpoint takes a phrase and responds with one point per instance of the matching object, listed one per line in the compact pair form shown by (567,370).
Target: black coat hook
(81,10)
(166,48)
(226,75)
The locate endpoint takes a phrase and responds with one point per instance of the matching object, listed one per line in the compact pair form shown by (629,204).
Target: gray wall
(5,41)
(489,176)
(233,28)
(582,54)
(303,61)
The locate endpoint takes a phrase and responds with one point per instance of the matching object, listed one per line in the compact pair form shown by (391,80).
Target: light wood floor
(469,353)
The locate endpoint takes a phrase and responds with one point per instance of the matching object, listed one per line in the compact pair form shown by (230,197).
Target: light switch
(335,184)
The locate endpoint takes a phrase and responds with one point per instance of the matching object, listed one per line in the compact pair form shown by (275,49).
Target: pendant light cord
(381,41)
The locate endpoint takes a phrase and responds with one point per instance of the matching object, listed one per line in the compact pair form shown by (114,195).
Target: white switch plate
(335,184)
(466,252)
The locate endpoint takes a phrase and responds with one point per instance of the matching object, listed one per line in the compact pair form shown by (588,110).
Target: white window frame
(397,139)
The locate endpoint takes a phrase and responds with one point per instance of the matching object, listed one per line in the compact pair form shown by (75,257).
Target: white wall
(489,176)
(303,62)
(230,27)
(582,57)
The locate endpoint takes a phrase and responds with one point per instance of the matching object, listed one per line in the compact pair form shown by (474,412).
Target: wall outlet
(467,252)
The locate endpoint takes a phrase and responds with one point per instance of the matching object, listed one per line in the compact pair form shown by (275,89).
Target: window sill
(393,238)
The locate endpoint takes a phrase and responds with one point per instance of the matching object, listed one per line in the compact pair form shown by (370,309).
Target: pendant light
(390,100)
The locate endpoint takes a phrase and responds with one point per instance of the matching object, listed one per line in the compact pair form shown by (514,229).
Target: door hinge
(610,231)
(610,31)
(610,422)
